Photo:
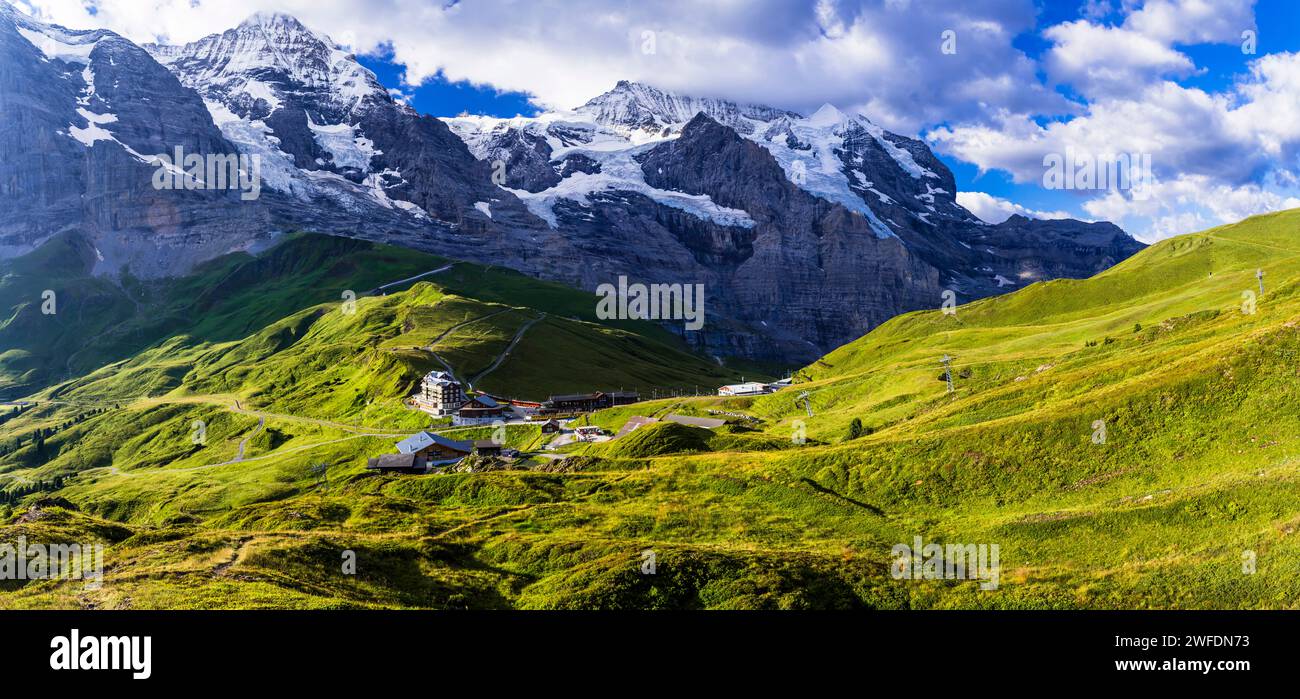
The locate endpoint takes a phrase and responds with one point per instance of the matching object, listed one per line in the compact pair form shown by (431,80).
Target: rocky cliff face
(805,231)
(83,114)
(809,260)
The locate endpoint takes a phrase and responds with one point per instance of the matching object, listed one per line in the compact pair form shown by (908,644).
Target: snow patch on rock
(346,143)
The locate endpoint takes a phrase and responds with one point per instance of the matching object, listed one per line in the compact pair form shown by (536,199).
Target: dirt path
(115,471)
(241,458)
(379,289)
(441,336)
(262,414)
(234,558)
(261,425)
(509,348)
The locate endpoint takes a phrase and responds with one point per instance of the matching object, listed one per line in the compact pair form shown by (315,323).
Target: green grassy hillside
(98,322)
(1128,441)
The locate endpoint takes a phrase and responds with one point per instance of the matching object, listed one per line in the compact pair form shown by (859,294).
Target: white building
(440,394)
(751,388)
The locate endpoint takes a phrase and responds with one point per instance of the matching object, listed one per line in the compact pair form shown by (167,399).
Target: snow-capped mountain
(805,230)
(894,182)
(325,127)
(844,159)
(640,112)
(248,75)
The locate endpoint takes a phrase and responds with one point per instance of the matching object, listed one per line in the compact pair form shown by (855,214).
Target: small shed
(589,432)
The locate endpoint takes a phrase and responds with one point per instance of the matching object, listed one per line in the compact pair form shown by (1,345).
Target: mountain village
(441,395)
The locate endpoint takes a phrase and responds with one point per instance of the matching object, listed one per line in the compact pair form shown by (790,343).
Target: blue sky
(1029,79)
(441,97)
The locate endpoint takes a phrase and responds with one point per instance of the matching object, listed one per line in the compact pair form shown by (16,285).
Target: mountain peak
(267,54)
(283,31)
(633,106)
(264,17)
(278,25)
(826,115)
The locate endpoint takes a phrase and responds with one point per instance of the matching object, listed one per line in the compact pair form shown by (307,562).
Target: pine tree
(855,429)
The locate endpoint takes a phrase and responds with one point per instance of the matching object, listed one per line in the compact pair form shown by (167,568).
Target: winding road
(261,425)
(422,275)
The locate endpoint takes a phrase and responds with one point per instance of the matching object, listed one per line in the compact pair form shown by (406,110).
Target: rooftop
(574,396)
(392,461)
(439,377)
(424,440)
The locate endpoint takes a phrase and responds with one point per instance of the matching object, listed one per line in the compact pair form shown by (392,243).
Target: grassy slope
(98,322)
(235,296)
(1198,467)
(1198,400)
(36,348)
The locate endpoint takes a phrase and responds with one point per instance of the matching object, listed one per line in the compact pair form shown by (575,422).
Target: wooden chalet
(480,409)
(587,402)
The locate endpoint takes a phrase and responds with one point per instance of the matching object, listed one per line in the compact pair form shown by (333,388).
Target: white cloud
(885,57)
(1190,203)
(1184,129)
(1100,60)
(1224,143)
(991,209)
(1096,9)
(1193,21)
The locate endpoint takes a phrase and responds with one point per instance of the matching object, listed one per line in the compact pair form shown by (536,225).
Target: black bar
(528,647)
